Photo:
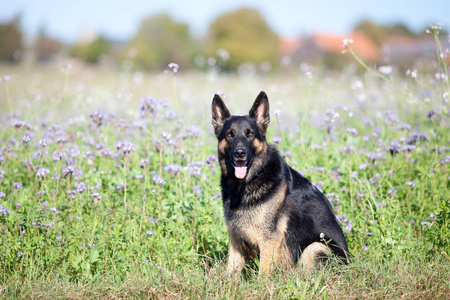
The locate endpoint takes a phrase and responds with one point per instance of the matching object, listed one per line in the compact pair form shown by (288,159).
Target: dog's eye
(250,133)
(230,134)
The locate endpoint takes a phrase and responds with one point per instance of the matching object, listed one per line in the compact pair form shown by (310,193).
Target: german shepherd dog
(271,211)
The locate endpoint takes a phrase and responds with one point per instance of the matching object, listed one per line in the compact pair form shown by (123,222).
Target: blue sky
(119,19)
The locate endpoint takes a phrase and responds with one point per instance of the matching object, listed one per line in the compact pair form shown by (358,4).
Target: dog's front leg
(236,261)
(270,255)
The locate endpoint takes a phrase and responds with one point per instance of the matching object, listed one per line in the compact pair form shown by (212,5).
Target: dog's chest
(255,221)
(249,225)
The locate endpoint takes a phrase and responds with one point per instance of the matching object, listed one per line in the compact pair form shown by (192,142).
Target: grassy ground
(106,193)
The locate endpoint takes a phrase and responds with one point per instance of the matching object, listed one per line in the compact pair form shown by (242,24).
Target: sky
(119,19)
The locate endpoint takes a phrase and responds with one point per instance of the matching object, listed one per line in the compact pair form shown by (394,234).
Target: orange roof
(362,45)
(289,45)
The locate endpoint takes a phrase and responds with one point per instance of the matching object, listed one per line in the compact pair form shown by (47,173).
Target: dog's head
(242,139)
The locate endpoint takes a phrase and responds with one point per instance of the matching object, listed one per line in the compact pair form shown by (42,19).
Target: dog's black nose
(240,152)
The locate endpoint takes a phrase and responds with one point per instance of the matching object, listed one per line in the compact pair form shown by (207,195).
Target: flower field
(109,181)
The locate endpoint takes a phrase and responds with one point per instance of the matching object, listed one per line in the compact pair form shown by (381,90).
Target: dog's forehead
(237,122)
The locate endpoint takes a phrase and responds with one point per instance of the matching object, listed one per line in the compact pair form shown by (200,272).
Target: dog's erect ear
(260,111)
(219,113)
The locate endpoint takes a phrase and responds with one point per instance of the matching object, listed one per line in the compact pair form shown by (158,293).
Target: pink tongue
(240,170)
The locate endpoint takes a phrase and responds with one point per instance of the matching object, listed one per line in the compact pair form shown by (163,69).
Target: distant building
(400,49)
(314,48)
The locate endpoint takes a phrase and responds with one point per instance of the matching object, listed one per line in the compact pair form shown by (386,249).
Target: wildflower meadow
(109,180)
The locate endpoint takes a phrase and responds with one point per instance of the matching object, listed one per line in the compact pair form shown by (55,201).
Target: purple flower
(26,139)
(390,117)
(363,167)
(195,168)
(347,149)
(170,115)
(17,185)
(80,187)
(276,140)
(20,254)
(18,206)
(95,196)
(42,172)
(144,162)
(158,180)
(172,168)
(4,211)
(410,183)
(50,224)
(352,131)
(2,195)
(43,142)
(360,195)
(69,170)
(408,148)
(404,126)
(97,117)
(197,189)
(392,191)
(425,223)
(122,124)
(365,248)
(149,232)
(430,114)
(376,156)
(345,222)
(106,153)
(153,221)
(381,204)
(194,131)
(125,147)
(57,156)
(318,169)
(174,67)
(149,106)
(217,195)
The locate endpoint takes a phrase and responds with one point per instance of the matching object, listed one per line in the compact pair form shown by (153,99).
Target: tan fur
(260,148)
(308,259)
(253,228)
(222,152)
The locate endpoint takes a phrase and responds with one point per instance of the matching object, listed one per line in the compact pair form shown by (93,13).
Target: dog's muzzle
(240,162)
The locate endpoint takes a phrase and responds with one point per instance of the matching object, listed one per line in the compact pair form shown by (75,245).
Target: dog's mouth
(240,169)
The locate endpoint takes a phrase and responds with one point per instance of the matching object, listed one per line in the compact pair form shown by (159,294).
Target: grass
(106,193)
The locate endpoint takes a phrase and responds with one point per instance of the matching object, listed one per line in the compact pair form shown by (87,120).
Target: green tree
(46,47)
(92,52)
(373,31)
(246,36)
(11,45)
(159,41)
(378,33)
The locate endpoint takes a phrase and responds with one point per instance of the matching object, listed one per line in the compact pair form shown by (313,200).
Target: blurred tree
(159,41)
(378,33)
(400,29)
(93,51)
(245,35)
(11,45)
(46,47)
(373,31)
